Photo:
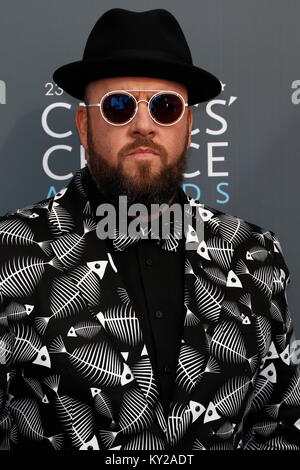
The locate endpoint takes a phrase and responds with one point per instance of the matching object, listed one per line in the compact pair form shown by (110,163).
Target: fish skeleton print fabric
(75,369)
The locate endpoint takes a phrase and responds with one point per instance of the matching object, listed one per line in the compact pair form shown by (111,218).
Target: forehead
(135,83)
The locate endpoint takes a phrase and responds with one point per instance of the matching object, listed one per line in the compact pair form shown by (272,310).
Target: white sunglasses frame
(126,92)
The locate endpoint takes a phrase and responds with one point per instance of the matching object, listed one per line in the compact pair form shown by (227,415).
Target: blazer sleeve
(273,422)
(6,351)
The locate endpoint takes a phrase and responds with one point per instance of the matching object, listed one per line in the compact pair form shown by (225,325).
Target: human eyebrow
(137,92)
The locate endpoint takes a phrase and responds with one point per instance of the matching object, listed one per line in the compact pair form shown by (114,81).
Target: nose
(142,122)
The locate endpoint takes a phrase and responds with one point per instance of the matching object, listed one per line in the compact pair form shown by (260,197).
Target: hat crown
(118,32)
(144,44)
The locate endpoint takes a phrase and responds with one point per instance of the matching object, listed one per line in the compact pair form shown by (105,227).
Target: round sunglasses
(119,107)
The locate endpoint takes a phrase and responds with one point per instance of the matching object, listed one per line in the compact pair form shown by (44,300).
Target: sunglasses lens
(118,108)
(166,108)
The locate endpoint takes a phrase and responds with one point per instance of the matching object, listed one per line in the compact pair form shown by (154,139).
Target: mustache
(144,142)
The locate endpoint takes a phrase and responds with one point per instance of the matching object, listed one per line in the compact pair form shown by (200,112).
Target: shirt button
(166,370)
(149,262)
(159,314)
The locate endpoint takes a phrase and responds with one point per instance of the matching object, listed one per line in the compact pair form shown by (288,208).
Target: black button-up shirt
(154,279)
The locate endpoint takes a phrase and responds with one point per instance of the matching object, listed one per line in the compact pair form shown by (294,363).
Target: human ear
(82,125)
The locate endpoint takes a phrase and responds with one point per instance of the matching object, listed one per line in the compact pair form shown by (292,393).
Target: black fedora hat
(129,43)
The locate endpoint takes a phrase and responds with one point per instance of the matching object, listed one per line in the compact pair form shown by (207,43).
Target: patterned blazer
(75,370)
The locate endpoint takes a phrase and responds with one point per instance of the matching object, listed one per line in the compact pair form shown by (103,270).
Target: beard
(145,188)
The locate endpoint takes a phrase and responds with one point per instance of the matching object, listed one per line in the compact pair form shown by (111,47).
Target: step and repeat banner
(244,158)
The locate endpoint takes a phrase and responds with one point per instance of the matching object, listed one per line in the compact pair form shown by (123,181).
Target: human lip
(142,151)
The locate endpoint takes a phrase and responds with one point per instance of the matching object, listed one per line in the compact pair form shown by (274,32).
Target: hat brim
(201,84)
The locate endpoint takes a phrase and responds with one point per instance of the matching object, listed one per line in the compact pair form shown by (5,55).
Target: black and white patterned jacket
(74,368)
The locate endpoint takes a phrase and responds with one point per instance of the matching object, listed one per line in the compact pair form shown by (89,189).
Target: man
(141,343)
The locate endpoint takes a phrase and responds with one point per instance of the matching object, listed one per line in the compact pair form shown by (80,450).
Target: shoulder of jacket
(25,231)
(224,221)
(242,232)
(29,212)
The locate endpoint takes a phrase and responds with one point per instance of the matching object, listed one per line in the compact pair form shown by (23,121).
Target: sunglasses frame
(126,92)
